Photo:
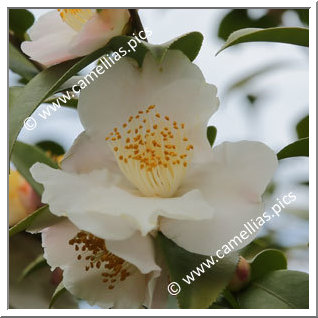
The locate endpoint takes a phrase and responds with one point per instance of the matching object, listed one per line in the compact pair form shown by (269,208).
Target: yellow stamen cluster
(152,152)
(93,250)
(76,18)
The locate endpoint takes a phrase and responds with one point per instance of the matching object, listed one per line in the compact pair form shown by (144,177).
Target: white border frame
(312,165)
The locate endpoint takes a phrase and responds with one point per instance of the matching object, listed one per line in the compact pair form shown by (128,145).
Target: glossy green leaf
(14,92)
(72,103)
(24,156)
(302,127)
(20,64)
(51,146)
(299,148)
(204,290)
(282,289)
(211,134)
(36,221)
(37,263)
(267,261)
(60,289)
(303,15)
(297,36)
(230,298)
(240,18)
(20,20)
(189,44)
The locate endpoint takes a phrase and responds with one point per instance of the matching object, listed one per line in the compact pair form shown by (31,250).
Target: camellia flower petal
(107,274)
(233,182)
(65,34)
(144,163)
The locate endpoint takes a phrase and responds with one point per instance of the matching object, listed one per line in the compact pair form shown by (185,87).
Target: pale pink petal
(99,30)
(51,38)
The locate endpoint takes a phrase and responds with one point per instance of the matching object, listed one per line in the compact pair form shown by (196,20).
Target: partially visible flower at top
(156,169)
(65,34)
(110,274)
(23,200)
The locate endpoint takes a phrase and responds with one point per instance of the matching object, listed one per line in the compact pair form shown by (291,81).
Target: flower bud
(23,200)
(57,276)
(242,275)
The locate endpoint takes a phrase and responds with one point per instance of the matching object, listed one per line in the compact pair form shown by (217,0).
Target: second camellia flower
(65,34)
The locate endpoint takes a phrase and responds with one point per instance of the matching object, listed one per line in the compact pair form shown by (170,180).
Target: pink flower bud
(242,275)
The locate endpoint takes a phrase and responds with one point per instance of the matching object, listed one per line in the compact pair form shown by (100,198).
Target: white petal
(177,86)
(102,202)
(57,251)
(189,94)
(88,285)
(233,183)
(89,153)
(137,250)
(98,31)
(157,293)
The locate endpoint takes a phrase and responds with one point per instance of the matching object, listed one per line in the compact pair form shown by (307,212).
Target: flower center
(76,18)
(93,250)
(152,152)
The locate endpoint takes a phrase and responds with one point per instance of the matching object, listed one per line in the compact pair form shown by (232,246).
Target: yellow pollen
(76,18)
(93,250)
(154,157)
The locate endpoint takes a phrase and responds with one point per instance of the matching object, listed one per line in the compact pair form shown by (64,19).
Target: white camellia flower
(112,274)
(156,169)
(64,34)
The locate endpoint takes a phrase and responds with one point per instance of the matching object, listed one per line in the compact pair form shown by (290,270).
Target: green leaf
(239,18)
(20,20)
(302,127)
(60,289)
(37,263)
(211,134)
(230,298)
(14,92)
(303,15)
(297,36)
(299,148)
(34,222)
(72,103)
(267,261)
(204,290)
(20,64)
(189,44)
(48,81)
(282,289)
(24,156)
(51,146)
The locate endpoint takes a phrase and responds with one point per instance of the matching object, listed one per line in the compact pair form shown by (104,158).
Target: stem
(136,22)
